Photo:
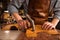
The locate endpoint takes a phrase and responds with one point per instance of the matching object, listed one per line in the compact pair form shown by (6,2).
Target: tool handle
(31,21)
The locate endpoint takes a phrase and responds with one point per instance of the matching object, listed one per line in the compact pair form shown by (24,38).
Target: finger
(22,24)
(52,28)
(43,27)
(28,23)
(46,26)
(25,26)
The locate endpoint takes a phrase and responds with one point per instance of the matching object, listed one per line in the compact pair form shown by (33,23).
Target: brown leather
(38,10)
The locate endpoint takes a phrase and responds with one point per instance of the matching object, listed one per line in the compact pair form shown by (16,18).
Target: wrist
(20,21)
(55,21)
(17,16)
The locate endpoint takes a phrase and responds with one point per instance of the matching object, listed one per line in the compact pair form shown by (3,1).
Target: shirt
(14,4)
(56,7)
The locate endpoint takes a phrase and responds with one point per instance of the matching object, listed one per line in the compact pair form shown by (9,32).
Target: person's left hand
(48,26)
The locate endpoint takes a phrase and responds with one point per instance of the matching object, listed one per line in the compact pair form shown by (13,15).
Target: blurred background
(6,20)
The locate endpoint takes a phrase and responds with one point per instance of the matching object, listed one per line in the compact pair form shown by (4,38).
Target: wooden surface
(8,26)
(38,34)
(18,35)
(37,29)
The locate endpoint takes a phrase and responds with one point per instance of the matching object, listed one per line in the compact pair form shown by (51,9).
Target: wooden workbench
(18,35)
(38,34)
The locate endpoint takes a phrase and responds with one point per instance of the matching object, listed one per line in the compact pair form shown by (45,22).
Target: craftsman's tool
(31,21)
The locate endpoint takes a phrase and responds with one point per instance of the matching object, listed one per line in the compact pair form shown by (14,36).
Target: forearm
(17,16)
(55,21)
(56,10)
(50,25)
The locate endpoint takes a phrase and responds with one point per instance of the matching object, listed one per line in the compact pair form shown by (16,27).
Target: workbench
(38,34)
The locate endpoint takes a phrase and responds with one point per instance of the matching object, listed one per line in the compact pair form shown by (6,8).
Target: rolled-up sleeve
(13,5)
(57,10)
(12,9)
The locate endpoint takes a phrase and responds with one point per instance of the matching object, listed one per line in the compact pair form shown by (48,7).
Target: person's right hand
(24,24)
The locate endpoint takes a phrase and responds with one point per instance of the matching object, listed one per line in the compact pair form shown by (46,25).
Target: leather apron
(38,10)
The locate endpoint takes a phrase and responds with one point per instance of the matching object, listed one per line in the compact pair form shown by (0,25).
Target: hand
(28,24)
(24,23)
(48,26)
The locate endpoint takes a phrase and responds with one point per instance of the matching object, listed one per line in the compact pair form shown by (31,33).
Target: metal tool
(31,21)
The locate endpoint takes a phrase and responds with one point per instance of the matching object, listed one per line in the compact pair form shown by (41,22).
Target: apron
(38,10)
